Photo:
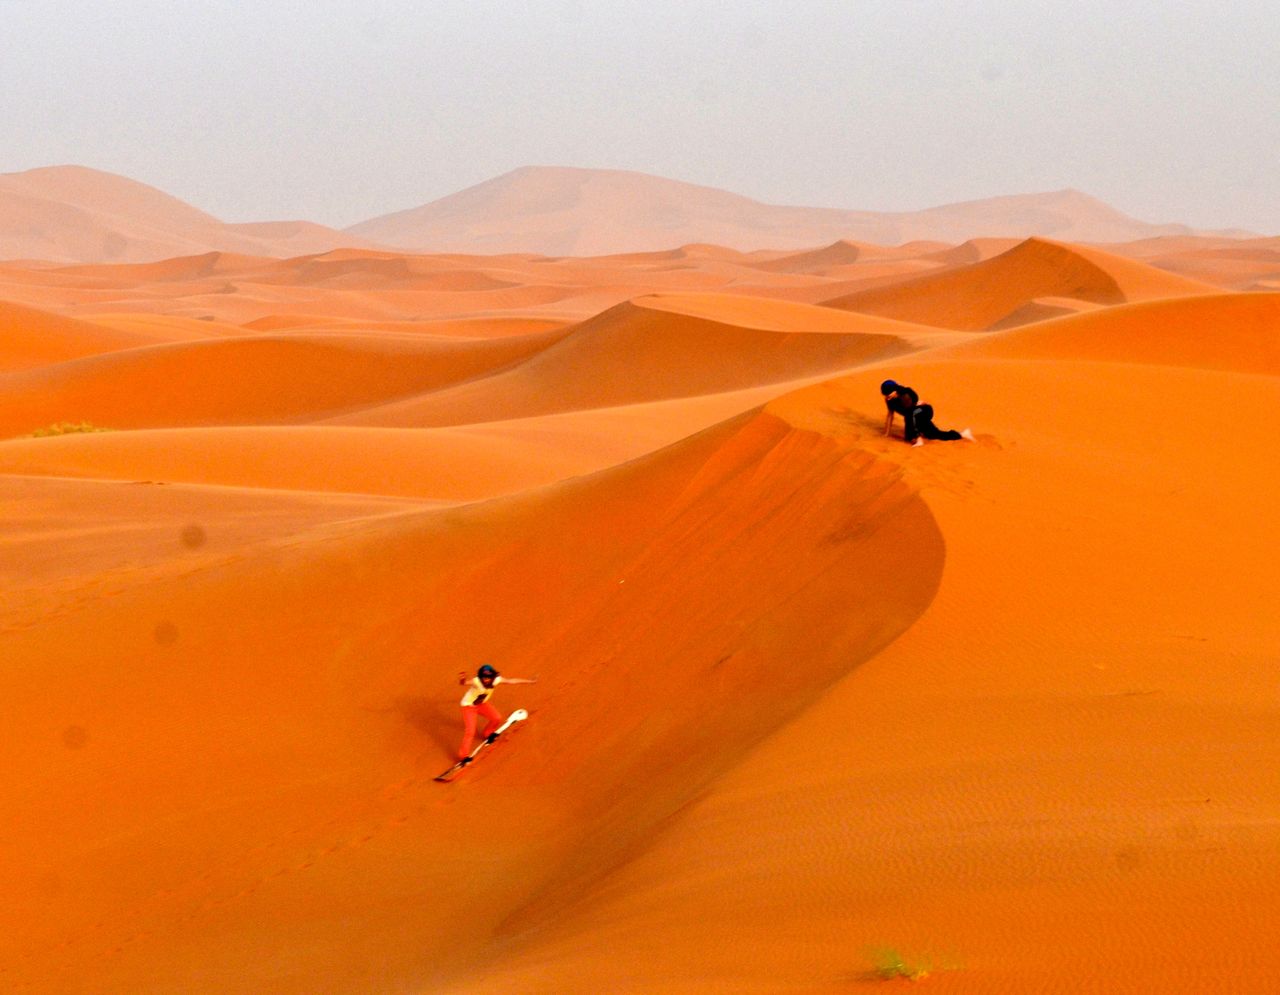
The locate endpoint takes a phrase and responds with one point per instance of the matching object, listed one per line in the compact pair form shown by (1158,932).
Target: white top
(477,692)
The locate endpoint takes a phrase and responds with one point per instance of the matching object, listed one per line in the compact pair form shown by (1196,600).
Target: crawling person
(917,418)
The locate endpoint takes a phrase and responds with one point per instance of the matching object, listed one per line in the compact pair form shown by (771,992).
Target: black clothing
(903,402)
(920,422)
(917,418)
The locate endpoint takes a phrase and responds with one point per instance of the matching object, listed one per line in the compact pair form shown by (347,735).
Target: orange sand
(997,291)
(1008,707)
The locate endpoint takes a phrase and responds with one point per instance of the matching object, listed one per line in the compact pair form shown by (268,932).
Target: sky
(338,112)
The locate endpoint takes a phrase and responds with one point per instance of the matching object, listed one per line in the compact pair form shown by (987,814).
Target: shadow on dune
(434,719)
(702,598)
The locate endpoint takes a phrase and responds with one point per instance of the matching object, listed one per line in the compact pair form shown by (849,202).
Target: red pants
(469,712)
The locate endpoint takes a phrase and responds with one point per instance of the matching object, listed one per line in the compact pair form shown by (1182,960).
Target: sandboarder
(917,418)
(476,702)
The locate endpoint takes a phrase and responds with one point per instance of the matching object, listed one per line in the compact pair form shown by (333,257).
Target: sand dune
(1053,783)
(975,250)
(658,347)
(30,338)
(451,463)
(992,292)
(839,253)
(81,215)
(685,497)
(1007,707)
(248,380)
(195,267)
(1238,332)
(76,214)
(564,211)
(165,327)
(360,288)
(1241,265)
(440,464)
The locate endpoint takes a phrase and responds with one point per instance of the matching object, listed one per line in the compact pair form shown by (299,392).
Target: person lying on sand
(917,418)
(476,702)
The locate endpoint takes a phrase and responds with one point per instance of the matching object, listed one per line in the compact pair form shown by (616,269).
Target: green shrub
(66,428)
(889,965)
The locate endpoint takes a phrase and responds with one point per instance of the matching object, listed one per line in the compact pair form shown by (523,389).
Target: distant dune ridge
(1035,279)
(77,214)
(559,210)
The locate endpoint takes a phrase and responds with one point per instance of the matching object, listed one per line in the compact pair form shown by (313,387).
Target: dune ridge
(988,293)
(562,211)
(1238,332)
(76,214)
(31,338)
(248,379)
(659,347)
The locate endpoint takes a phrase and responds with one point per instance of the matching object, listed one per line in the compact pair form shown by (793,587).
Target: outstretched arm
(888,421)
(519,680)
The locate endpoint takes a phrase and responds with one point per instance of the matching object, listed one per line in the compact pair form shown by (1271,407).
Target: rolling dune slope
(1238,332)
(158,328)
(31,338)
(247,380)
(1058,779)
(986,294)
(444,464)
(236,790)
(660,347)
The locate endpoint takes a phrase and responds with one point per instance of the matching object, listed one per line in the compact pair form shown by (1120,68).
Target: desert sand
(811,704)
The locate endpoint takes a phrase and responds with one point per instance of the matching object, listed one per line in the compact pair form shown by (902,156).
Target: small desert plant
(66,428)
(889,964)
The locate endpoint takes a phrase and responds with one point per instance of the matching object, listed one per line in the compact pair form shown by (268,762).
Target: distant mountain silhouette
(74,214)
(569,211)
(80,215)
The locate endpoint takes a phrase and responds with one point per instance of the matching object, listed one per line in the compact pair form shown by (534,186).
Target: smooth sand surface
(31,338)
(248,379)
(810,701)
(989,293)
(657,347)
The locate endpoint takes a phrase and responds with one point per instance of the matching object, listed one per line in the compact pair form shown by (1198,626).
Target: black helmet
(486,673)
(888,387)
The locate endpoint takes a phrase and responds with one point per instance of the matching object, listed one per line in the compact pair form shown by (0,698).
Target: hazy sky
(337,112)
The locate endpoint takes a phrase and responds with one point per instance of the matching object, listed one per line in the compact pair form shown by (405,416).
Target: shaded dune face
(840,253)
(702,596)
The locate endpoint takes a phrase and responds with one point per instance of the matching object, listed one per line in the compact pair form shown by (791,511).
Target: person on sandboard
(475,703)
(917,418)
